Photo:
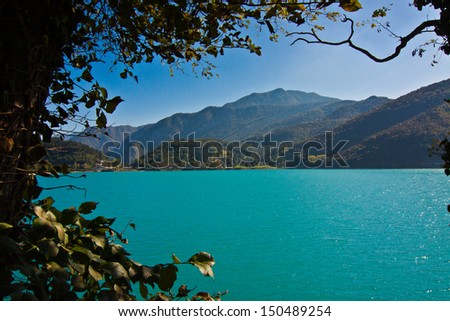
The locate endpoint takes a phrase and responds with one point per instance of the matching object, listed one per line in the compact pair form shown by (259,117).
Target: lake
(285,234)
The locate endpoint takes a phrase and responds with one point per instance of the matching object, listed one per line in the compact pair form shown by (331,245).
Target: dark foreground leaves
(63,255)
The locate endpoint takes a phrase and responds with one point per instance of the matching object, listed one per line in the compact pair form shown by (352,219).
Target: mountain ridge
(247,117)
(399,133)
(372,126)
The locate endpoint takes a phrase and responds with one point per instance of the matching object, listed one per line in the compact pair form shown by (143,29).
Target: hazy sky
(330,71)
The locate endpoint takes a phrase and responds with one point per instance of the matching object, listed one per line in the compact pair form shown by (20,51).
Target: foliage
(444,150)
(444,145)
(440,27)
(75,155)
(63,255)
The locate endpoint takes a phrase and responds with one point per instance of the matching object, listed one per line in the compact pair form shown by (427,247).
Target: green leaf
(90,103)
(5,228)
(192,54)
(47,203)
(52,267)
(161,297)
(379,13)
(350,5)
(143,290)
(80,268)
(69,216)
(61,232)
(212,50)
(101,120)
(99,240)
(50,216)
(62,112)
(167,277)
(204,262)
(117,249)
(115,269)
(39,211)
(49,248)
(78,283)
(271,12)
(104,92)
(86,75)
(147,272)
(133,274)
(175,259)
(97,276)
(87,207)
(183,291)
(202,296)
(101,221)
(112,104)
(87,253)
(42,226)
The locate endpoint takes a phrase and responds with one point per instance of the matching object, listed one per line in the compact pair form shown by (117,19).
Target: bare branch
(68,187)
(320,3)
(312,37)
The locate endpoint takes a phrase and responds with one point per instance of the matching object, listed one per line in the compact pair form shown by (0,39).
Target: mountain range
(381,132)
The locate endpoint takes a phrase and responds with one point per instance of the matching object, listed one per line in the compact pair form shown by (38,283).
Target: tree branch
(68,187)
(312,37)
(320,3)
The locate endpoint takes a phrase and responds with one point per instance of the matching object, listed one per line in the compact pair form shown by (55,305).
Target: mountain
(304,126)
(381,133)
(254,115)
(279,97)
(288,114)
(247,117)
(95,138)
(399,133)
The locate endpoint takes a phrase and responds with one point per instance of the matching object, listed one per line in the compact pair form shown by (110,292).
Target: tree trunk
(30,52)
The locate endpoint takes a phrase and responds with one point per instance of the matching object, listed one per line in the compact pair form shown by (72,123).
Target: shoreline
(123,170)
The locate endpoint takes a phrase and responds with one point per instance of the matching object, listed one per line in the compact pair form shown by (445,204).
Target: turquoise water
(286,234)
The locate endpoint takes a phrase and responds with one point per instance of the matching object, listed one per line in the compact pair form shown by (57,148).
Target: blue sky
(330,71)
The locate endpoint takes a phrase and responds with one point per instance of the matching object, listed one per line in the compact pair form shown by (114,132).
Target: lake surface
(286,234)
